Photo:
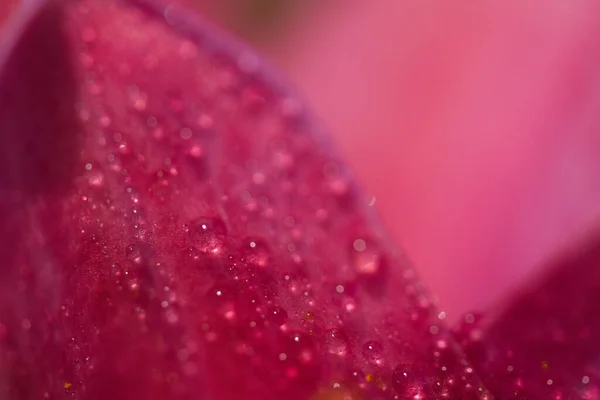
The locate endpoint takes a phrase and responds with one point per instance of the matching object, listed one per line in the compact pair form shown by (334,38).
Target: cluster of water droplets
(504,366)
(251,250)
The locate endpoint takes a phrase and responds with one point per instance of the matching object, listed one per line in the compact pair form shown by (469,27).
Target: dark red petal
(545,344)
(175,226)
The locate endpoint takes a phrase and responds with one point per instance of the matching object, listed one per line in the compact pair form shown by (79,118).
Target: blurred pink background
(474,124)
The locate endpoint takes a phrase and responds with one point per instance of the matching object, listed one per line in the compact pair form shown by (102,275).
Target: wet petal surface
(544,344)
(177,227)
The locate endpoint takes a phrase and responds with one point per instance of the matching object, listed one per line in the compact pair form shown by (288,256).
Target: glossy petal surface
(175,227)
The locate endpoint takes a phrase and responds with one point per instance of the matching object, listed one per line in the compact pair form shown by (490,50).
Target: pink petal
(544,344)
(176,226)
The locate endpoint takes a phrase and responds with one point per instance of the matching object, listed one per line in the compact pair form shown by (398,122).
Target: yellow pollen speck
(67,385)
(335,394)
(309,317)
(369,377)
(545,365)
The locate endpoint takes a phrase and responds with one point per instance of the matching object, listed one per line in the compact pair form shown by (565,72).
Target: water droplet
(208,235)
(590,392)
(308,317)
(349,304)
(370,263)
(336,342)
(366,258)
(256,253)
(220,296)
(277,316)
(373,352)
(95,178)
(406,382)
(357,377)
(300,347)
(133,253)
(469,335)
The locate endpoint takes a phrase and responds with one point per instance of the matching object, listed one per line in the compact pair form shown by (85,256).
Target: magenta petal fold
(545,343)
(176,226)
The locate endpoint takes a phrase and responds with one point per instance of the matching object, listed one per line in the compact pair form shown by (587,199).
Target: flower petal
(544,344)
(178,227)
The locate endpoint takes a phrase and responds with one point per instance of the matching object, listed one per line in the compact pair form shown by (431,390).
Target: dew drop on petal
(133,253)
(366,259)
(373,352)
(208,234)
(95,178)
(255,253)
(405,382)
(277,316)
(336,342)
(371,266)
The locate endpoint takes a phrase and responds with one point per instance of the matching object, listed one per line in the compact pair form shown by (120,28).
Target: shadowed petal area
(200,240)
(39,143)
(40,131)
(544,345)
